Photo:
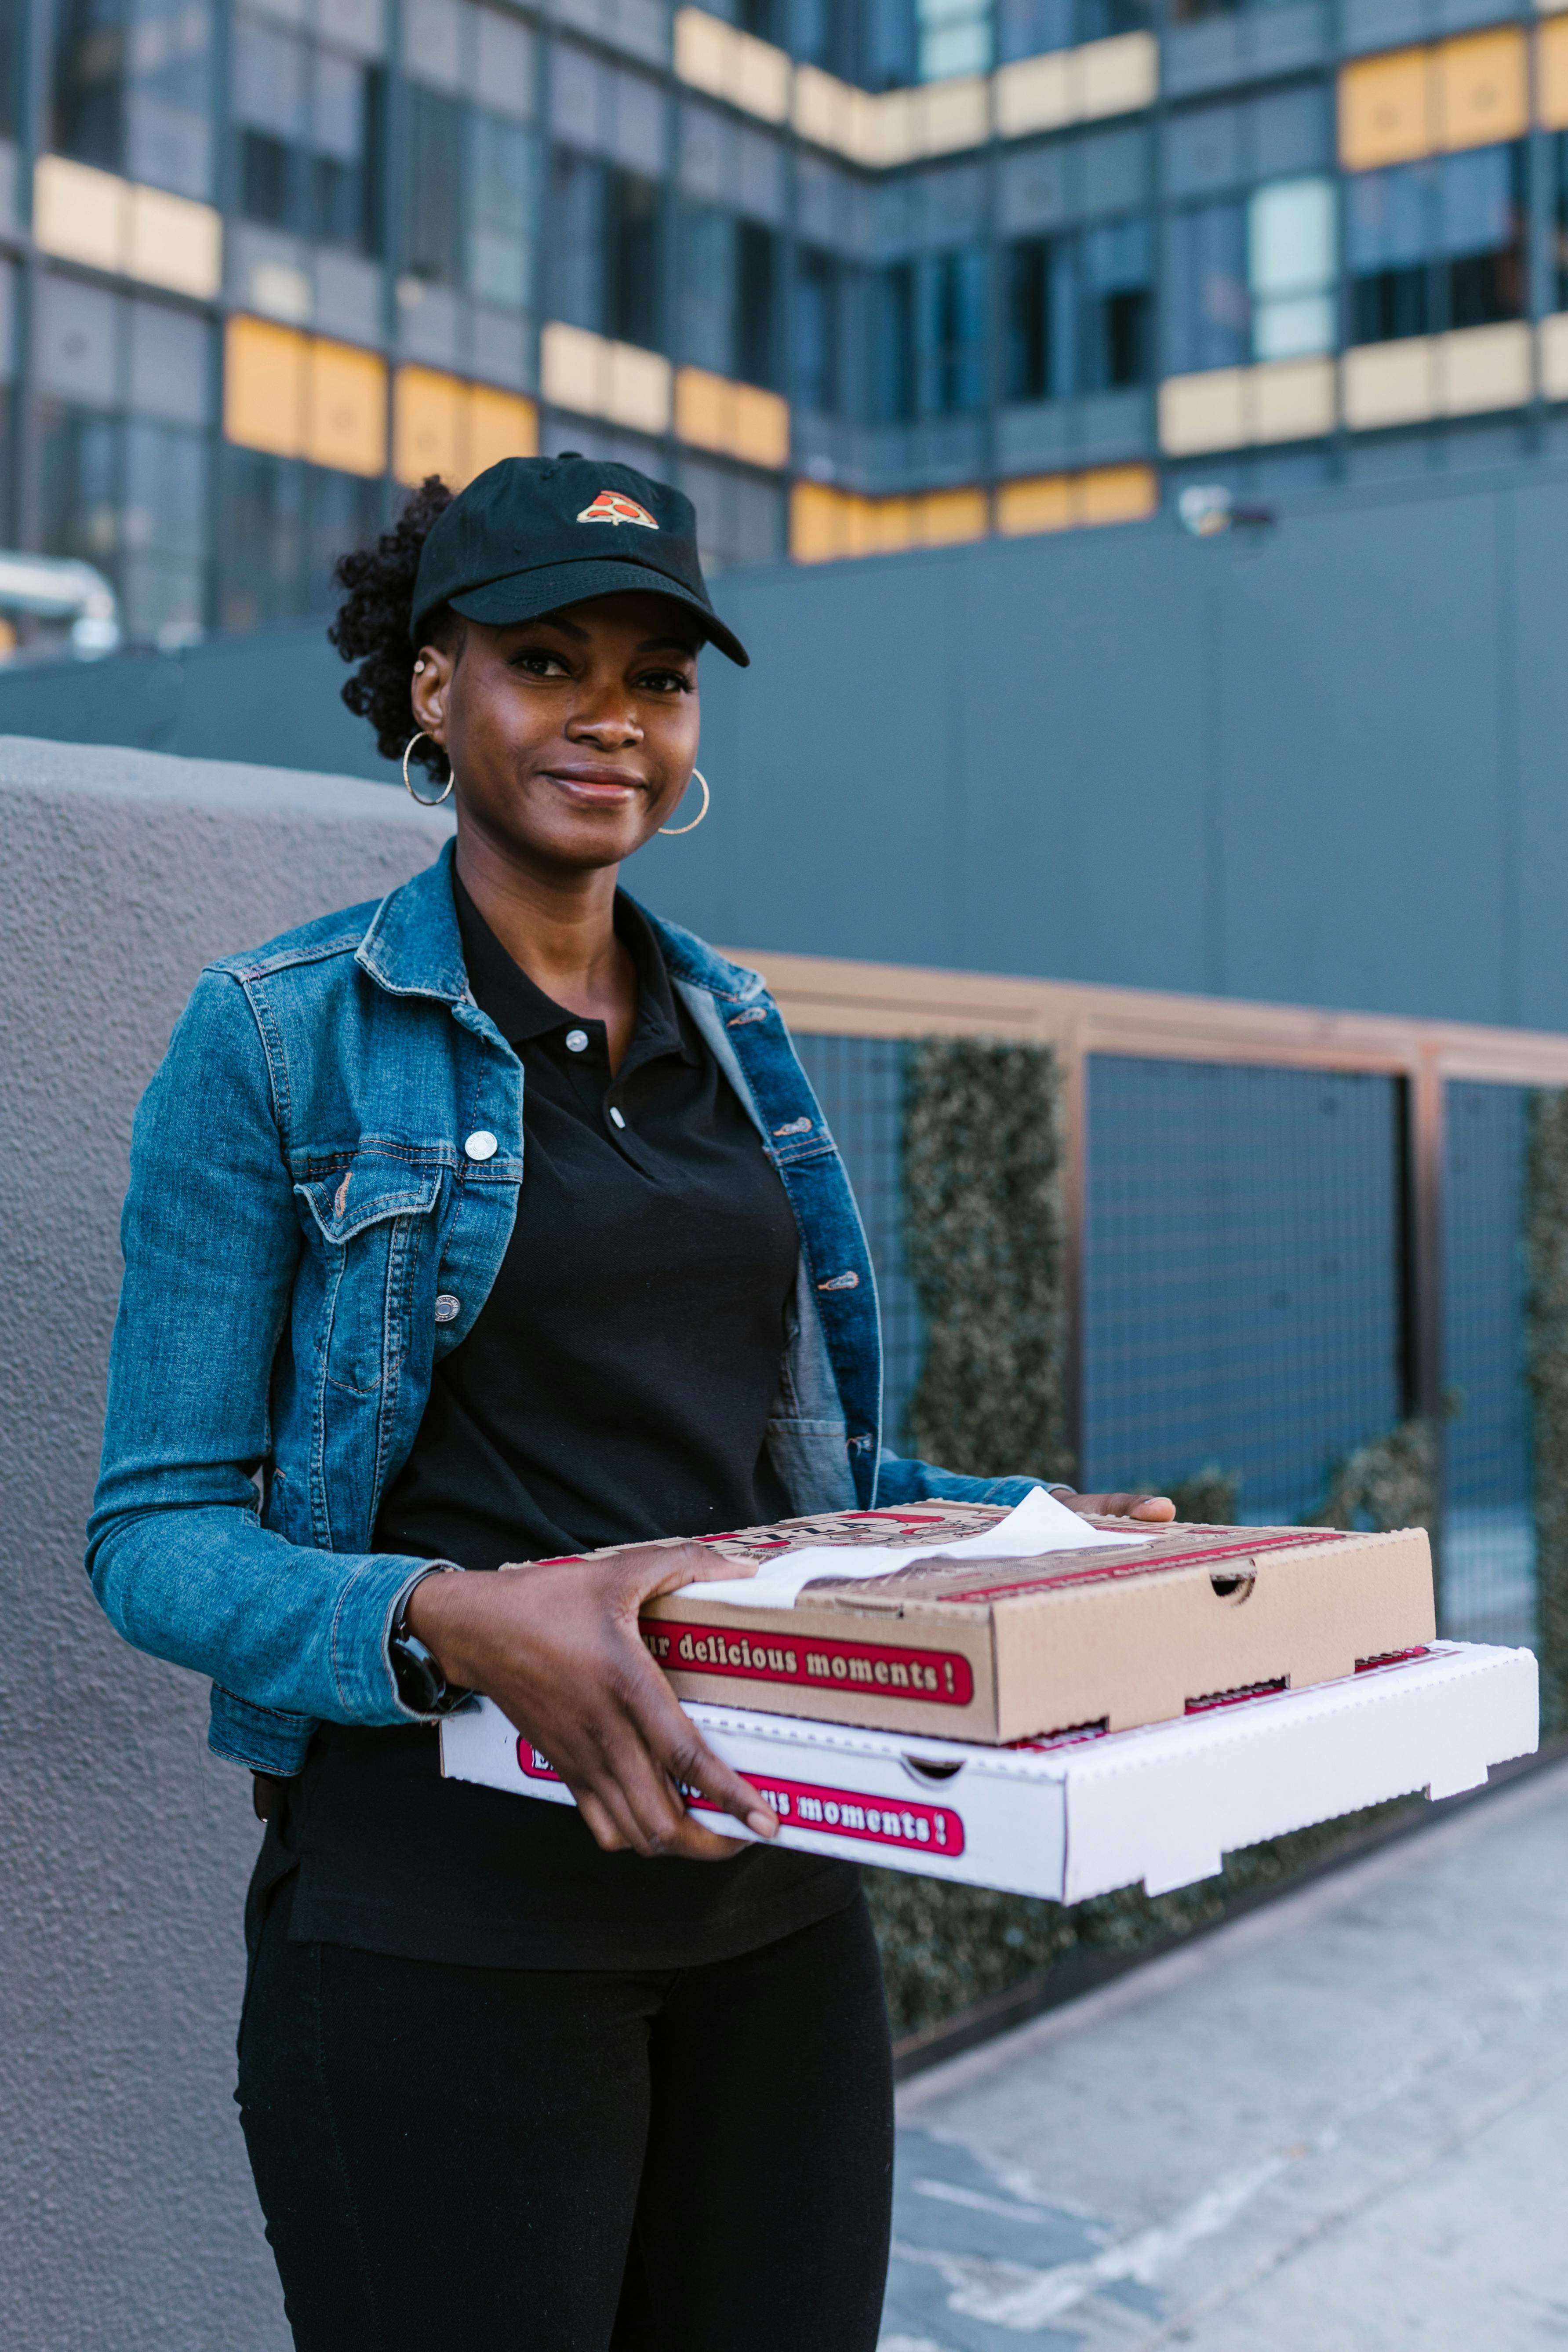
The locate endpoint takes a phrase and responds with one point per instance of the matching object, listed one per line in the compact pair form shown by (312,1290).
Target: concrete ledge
(124,1847)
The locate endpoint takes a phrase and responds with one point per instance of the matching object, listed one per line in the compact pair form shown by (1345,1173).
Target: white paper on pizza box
(1157,1807)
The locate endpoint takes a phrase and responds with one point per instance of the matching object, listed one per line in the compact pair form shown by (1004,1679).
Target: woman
(489,1225)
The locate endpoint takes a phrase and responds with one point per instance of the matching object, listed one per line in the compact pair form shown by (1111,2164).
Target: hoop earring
(451,779)
(701,812)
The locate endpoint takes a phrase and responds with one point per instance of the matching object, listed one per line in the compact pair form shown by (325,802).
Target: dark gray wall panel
(1360,698)
(1323,763)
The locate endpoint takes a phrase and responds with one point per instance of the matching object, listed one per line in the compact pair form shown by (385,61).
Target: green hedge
(985,1245)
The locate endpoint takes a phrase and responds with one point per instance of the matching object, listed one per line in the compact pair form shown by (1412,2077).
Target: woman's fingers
(1123,1507)
(651,1568)
(690,1763)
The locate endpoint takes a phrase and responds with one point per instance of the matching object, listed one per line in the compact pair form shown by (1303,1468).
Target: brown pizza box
(998,1650)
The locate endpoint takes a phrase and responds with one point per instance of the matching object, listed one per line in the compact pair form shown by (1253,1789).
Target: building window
(433,238)
(132,90)
(1436,245)
(11,23)
(952,36)
(310,126)
(756,305)
(928,338)
(1208,310)
(1081,312)
(1025,28)
(1292,268)
(501,208)
(730,277)
(605,249)
(1559,179)
(285,524)
(123,390)
(468,164)
(893,369)
(953,333)
(818,297)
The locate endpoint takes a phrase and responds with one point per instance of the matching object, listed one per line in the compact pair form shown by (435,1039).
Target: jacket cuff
(367,1610)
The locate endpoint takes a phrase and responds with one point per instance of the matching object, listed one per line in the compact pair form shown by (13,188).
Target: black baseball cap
(532,534)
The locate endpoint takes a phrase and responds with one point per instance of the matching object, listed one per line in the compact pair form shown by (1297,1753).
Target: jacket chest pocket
(373,1227)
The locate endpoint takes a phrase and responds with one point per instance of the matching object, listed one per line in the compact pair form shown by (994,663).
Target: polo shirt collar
(522,1012)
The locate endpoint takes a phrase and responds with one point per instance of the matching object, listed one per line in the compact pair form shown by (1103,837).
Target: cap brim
(524,595)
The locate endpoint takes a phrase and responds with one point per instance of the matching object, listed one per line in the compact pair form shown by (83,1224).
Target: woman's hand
(557,1648)
(1122,1507)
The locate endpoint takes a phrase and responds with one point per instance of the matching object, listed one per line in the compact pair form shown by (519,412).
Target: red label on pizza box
(941,1677)
(811,1805)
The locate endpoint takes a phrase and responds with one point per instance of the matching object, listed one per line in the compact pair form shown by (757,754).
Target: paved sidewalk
(1338,2126)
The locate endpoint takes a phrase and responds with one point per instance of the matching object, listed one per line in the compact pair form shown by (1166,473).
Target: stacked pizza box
(1050,1699)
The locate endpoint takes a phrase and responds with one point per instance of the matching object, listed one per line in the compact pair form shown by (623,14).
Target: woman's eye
(542,665)
(664,682)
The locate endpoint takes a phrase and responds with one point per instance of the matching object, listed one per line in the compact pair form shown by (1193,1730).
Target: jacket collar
(412,947)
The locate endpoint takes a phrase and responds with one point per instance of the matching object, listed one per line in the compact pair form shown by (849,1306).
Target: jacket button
(447,1308)
(577,1041)
(481,1144)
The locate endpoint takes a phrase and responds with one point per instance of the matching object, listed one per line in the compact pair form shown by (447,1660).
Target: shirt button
(577,1041)
(447,1308)
(481,1144)
(615,1115)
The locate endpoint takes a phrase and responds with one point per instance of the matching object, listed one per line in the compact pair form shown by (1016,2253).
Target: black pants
(525,2160)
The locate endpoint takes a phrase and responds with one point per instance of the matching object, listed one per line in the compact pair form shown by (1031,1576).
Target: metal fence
(1290,1232)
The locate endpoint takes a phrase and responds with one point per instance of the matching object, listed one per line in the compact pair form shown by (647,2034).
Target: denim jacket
(303,1214)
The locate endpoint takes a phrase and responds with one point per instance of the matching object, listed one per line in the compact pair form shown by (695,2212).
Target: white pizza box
(1080,1815)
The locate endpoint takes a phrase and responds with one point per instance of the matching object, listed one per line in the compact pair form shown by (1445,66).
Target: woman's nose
(608,729)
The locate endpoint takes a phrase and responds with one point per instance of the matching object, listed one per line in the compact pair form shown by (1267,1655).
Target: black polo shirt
(615,1386)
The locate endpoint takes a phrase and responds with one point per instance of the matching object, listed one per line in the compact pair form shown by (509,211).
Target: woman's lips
(607,785)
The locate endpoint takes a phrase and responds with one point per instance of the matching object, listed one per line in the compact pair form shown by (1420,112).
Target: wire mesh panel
(859,1082)
(1489,1534)
(1241,1277)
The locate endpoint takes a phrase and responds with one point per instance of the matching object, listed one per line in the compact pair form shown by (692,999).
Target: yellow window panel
(1041,502)
(346,417)
(1293,400)
(1481,369)
(759,426)
(1204,411)
(635,386)
(501,424)
(426,435)
(1551,73)
(702,45)
(1386,110)
(1483,89)
(947,517)
(759,76)
(1388,383)
(1117,494)
(816,523)
(703,408)
(78,213)
(264,376)
(1116,76)
(1034,94)
(890,526)
(170,241)
(1553,348)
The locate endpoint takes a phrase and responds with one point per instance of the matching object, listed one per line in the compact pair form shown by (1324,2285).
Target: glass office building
(861,274)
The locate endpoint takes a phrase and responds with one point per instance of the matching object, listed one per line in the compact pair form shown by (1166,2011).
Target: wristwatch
(421,1685)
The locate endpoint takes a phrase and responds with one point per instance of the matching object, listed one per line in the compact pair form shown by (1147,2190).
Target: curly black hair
(372,623)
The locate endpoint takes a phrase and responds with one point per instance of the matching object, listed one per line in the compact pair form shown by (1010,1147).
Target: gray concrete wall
(127,2220)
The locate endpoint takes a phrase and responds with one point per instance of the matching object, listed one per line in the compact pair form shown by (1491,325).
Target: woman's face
(572,738)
